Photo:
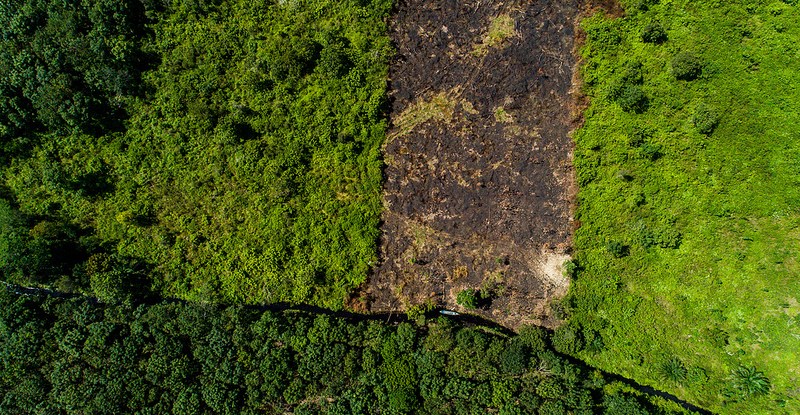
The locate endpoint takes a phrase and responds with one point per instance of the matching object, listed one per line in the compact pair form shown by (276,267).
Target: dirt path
(479,181)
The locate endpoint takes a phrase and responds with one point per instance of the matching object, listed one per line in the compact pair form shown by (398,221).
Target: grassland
(689,165)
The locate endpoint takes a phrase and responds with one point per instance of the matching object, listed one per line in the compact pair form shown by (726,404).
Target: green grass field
(689,173)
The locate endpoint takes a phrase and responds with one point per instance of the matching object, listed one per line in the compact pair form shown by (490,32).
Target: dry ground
(479,182)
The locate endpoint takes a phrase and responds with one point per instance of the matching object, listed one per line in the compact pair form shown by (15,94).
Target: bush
(650,152)
(673,370)
(632,99)
(705,119)
(687,66)
(638,135)
(417,312)
(654,33)
(570,269)
(749,381)
(626,88)
(468,299)
(567,339)
(644,5)
(533,337)
(618,249)
(594,341)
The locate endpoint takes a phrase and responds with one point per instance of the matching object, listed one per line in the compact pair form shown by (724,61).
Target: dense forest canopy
(224,151)
(68,356)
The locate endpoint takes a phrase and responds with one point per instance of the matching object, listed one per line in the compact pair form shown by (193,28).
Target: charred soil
(479,182)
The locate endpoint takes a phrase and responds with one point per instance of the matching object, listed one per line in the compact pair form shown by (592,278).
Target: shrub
(602,34)
(417,312)
(654,33)
(638,135)
(618,249)
(533,337)
(673,370)
(705,119)
(749,381)
(558,310)
(567,339)
(687,66)
(697,375)
(468,299)
(570,269)
(650,151)
(594,341)
(632,73)
(334,61)
(644,5)
(624,175)
(632,99)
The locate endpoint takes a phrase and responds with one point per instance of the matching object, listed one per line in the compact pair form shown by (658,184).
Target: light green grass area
(689,249)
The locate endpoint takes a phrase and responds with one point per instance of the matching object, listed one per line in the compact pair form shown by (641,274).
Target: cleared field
(479,182)
(689,204)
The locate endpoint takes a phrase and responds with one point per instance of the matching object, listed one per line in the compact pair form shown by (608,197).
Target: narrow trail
(387,318)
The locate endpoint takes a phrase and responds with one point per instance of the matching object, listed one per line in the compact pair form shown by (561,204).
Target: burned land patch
(479,181)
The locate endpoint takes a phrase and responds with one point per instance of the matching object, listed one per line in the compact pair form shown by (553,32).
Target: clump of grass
(501,28)
(440,107)
(673,370)
(468,299)
(748,381)
(501,115)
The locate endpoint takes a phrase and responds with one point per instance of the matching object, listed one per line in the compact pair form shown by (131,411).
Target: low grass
(501,28)
(698,185)
(439,107)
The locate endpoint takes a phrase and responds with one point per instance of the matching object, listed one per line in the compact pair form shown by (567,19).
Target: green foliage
(748,381)
(673,370)
(705,119)
(76,357)
(650,151)
(67,65)
(686,66)
(567,339)
(654,33)
(627,90)
(570,269)
(233,146)
(632,99)
(617,249)
(417,313)
(708,204)
(468,299)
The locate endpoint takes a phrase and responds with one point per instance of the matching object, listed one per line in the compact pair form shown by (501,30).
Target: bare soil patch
(479,181)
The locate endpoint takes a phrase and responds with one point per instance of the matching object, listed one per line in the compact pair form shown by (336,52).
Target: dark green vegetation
(689,170)
(62,356)
(222,151)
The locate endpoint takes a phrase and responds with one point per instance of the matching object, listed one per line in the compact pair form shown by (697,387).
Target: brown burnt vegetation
(479,181)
